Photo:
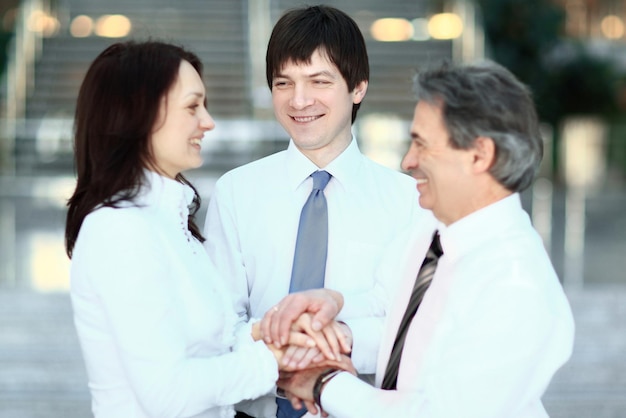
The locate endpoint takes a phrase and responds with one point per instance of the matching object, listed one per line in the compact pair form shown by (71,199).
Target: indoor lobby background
(572,53)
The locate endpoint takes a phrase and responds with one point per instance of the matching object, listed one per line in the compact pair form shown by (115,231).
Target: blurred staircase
(217,30)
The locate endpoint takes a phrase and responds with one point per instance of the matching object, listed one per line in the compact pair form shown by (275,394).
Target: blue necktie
(309,259)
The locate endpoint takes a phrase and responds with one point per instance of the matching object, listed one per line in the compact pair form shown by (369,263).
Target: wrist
(320,382)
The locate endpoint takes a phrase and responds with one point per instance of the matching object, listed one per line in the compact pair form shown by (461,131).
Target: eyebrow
(325,73)
(322,73)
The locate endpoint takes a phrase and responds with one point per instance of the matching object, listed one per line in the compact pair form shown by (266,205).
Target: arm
(136,284)
(497,359)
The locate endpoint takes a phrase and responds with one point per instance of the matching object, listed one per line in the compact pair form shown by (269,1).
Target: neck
(483,195)
(321,157)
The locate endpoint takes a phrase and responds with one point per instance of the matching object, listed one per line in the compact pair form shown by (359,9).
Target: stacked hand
(307,341)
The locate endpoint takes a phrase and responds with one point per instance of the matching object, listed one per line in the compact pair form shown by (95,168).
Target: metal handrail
(23,51)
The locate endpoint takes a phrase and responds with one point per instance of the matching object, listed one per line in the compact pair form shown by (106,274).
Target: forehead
(428,116)
(188,80)
(318,61)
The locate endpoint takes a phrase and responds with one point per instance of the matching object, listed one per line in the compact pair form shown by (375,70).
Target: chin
(424,202)
(195,164)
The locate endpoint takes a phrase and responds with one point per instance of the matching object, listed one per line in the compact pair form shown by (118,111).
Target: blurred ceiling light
(612,27)
(445,26)
(392,30)
(81,26)
(113,26)
(420,29)
(43,23)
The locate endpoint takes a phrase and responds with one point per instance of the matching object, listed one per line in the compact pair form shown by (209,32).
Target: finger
(301,339)
(297,357)
(274,331)
(308,358)
(311,407)
(318,358)
(287,356)
(344,364)
(286,314)
(324,315)
(266,324)
(304,323)
(344,335)
(296,402)
(330,333)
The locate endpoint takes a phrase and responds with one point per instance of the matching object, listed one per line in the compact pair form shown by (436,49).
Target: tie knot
(320,179)
(435,245)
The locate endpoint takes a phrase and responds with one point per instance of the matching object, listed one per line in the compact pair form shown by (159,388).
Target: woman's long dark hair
(118,104)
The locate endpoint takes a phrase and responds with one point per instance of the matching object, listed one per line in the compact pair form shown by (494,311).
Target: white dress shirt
(491,331)
(252,224)
(156,326)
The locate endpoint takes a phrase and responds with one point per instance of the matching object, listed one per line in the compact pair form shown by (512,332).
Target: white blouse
(156,326)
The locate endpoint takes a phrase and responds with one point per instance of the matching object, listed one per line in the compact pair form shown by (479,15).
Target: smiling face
(312,102)
(183,119)
(444,174)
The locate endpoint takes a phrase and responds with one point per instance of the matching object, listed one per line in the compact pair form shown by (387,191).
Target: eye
(279,83)
(418,142)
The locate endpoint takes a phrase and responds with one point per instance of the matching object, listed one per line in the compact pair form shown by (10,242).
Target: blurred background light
(445,26)
(81,26)
(392,30)
(612,27)
(43,23)
(113,26)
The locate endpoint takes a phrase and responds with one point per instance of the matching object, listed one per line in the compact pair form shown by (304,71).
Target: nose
(300,97)
(206,120)
(410,159)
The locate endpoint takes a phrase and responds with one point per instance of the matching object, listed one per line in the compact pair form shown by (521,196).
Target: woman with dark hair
(158,331)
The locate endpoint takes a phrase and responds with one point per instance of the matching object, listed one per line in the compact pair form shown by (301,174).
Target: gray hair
(486,100)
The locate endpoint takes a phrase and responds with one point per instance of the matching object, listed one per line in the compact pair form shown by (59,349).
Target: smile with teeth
(196,141)
(422,181)
(305,118)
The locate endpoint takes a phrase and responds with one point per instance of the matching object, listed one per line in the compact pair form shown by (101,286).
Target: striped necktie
(423,280)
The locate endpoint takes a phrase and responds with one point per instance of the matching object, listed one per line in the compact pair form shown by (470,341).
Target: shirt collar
(343,168)
(165,191)
(479,227)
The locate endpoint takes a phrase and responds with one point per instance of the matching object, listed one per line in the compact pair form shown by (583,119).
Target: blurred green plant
(565,76)
(525,35)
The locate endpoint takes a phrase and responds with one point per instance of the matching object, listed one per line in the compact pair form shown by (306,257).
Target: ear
(359,92)
(484,154)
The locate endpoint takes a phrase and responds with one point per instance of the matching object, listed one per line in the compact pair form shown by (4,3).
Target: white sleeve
(223,245)
(123,262)
(495,362)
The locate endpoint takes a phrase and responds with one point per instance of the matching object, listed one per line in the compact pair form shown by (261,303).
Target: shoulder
(121,224)
(245,181)
(254,168)
(387,175)
(511,266)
